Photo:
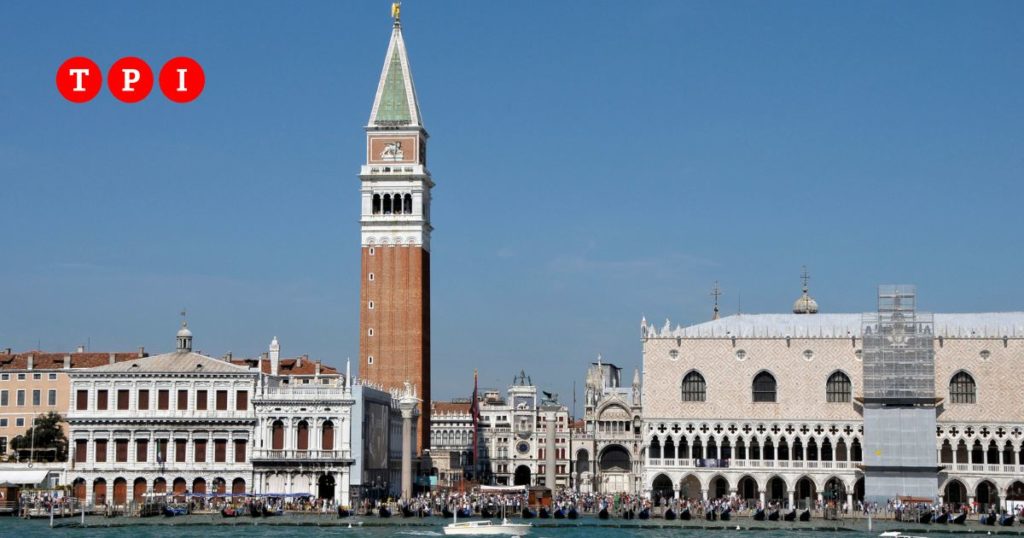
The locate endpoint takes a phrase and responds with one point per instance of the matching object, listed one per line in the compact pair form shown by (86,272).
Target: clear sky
(595,162)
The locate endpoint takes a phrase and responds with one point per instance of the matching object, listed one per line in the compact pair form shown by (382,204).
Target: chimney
(228,356)
(67,361)
(113,358)
(80,349)
(142,352)
(7,351)
(31,361)
(275,356)
(298,361)
(317,369)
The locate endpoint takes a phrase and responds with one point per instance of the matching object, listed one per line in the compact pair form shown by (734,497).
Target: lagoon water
(290,526)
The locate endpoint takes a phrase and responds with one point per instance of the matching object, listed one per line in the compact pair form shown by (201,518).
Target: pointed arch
(838,388)
(764,387)
(962,388)
(694,387)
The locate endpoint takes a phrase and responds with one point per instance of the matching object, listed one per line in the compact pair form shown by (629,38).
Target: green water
(305,527)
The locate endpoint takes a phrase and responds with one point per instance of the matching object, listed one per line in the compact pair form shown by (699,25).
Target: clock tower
(394,301)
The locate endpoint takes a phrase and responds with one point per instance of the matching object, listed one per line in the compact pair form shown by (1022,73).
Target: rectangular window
(81,450)
(21,377)
(161,450)
(4,402)
(3,445)
(200,451)
(122,399)
(242,400)
(121,450)
(163,399)
(19,422)
(3,422)
(220,448)
(101,400)
(52,377)
(143,402)
(21,397)
(37,397)
(240,451)
(5,377)
(182,400)
(82,400)
(51,397)
(101,451)
(201,400)
(222,400)
(37,376)
(141,450)
(179,450)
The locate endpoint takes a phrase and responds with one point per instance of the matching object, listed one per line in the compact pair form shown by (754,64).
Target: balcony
(293,456)
(306,392)
(688,463)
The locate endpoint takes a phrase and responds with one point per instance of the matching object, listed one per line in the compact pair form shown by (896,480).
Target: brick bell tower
(394,307)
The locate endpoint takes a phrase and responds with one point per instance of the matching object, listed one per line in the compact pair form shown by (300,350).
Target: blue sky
(595,162)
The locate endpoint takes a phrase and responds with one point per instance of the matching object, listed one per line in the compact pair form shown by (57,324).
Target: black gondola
(407,512)
(629,513)
(987,519)
(960,519)
(543,513)
(773,515)
(1006,520)
(805,515)
(603,514)
(685,515)
(269,512)
(726,514)
(710,515)
(790,516)
(384,512)
(343,512)
(529,514)
(465,512)
(670,515)
(926,517)
(254,510)
(759,515)
(941,518)
(573,514)
(446,513)
(486,512)
(645,514)
(559,514)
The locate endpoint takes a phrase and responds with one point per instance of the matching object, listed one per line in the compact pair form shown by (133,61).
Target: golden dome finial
(396,10)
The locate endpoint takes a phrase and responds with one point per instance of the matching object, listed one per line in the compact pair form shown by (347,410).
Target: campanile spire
(394,309)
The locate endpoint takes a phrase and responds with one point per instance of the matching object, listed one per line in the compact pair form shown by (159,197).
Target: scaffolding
(899,357)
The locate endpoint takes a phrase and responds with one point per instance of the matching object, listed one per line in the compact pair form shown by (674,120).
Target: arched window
(694,388)
(387,204)
(407,204)
(277,435)
(764,387)
(962,389)
(838,388)
(376,204)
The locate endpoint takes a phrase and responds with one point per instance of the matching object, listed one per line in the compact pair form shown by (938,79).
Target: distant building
(451,441)
(608,447)
(35,383)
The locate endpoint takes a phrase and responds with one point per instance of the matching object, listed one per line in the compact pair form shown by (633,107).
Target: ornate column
(407,404)
(550,410)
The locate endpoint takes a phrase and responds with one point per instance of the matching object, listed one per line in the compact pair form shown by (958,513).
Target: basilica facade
(770,407)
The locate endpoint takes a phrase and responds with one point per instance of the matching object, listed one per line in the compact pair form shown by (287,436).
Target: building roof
(449,408)
(967,325)
(55,361)
(395,103)
(296,366)
(174,363)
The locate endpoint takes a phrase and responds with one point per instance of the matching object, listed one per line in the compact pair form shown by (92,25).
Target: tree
(50,443)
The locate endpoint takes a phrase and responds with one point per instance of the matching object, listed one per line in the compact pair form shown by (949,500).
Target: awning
(24,478)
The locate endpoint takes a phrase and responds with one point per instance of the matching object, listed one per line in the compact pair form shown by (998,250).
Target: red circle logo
(79,79)
(182,79)
(130,79)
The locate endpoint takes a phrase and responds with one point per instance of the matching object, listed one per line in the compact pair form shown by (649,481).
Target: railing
(792,464)
(302,392)
(300,455)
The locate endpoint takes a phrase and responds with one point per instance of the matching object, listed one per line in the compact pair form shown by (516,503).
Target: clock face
(523,447)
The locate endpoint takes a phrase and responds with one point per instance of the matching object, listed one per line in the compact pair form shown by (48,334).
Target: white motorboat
(486,527)
(898,534)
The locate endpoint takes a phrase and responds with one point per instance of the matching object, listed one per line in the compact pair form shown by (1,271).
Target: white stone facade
(807,437)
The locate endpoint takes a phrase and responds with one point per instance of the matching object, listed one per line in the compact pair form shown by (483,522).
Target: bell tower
(394,307)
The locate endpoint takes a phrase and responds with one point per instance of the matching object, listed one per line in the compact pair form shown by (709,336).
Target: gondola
(790,516)
(710,515)
(423,512)
(254,510)
(960,519)
(486,512)
(670,515)
(446,513)
(1006,520)
(270,512)
(644,514)
(407,512)
(228,511)
(773,515)
(726,514)
(603,514)
(384,512)
(941,518)
(543,513)
(343,512)
(529,514)
(987,519)
(805,515)
(573,514)
(465,512)
(628,514)
(560,513)
(172,511)
(759,515)
(925,517)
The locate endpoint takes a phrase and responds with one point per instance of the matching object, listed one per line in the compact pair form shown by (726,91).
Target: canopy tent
(25,478)
(499,490)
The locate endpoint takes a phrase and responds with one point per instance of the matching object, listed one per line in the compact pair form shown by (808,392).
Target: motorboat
(487,527)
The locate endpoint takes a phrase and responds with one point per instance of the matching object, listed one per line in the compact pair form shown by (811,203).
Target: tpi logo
(130,79)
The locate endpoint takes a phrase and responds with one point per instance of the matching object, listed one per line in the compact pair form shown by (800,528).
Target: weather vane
(396,10)
(805,277)
(716,292)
